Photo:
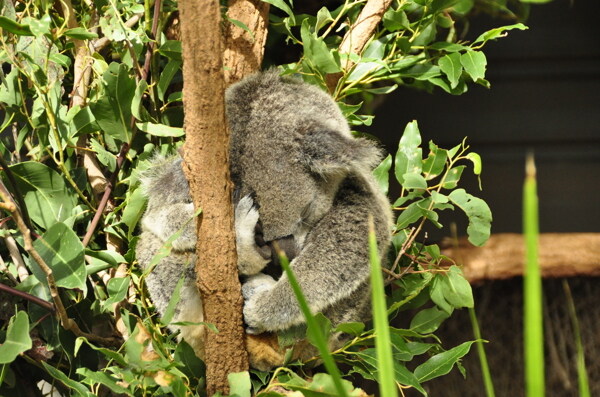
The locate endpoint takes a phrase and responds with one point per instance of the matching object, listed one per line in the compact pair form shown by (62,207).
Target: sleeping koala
(301,180)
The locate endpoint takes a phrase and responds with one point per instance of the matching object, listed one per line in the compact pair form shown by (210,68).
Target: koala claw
(253,290)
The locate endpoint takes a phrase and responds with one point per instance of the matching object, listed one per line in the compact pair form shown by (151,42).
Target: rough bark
(502,257)
(359,34)
(206,168)
(244,51)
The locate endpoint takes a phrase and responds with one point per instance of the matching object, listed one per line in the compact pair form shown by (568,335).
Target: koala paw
(251,258)
(254,290)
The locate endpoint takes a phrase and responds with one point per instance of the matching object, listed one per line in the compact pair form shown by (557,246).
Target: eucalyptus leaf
(500,32)
(160,129)
(382,174)
(316,51)
(441,363)
(478,212)
(62,251)
(17,338)
(474,63)
(409,155)
(451,66)
(46,196)
(428,320)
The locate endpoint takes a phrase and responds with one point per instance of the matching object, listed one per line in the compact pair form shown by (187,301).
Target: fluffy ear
(331,153)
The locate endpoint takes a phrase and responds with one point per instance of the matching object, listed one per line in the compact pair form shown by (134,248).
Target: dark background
(545,98)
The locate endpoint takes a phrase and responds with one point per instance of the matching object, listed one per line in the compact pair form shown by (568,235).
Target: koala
(302,181)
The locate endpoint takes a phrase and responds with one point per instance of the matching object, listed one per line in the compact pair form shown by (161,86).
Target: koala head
(290,148)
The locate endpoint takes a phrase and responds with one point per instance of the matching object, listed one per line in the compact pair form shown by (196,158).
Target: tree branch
(359,34)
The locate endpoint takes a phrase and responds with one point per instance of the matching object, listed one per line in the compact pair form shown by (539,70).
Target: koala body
(301,177)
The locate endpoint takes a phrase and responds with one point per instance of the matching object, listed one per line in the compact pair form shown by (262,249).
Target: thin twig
(24,295)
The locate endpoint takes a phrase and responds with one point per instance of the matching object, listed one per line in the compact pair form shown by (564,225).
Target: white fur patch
(249,259)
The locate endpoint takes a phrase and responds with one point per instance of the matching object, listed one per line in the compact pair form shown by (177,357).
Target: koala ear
(331,153)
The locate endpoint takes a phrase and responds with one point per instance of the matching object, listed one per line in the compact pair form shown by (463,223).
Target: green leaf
(382,174)
(411,214)
(476,160)
(117,289)
(160,129)
(434,164)
(47,199)
(109,354)
(428,320)
(84,121)
(501,31)
(451,66)
(456,289)
(96,377)
(239,383)
(13,27)
(105,157)
(354,329)
(171,49)
(281,5)
(395,20)
(136,104)
(134,209)
(453,177)
(62,251)
(316,51)
(17,338)
(39,26)
(478,212)
(474,63)
(414,181)
(70,383)
(113,110)
(409,155)
(441,363)
(80,33)
(169,71)
(241,25)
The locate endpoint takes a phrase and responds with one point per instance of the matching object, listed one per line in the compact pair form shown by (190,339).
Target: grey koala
(300,179)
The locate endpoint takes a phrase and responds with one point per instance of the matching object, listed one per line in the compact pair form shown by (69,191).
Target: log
(502,257)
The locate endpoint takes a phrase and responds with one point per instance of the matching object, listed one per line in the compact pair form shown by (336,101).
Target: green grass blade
(383,344)
(485,369)
(314,331)
(582,377)
(532,294)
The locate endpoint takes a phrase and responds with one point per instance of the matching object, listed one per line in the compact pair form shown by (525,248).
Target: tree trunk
(206,168)
(244,52)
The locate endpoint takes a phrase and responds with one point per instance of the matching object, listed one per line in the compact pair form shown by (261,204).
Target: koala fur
(301,179)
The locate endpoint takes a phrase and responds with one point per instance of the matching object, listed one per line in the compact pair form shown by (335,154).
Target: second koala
(299,176)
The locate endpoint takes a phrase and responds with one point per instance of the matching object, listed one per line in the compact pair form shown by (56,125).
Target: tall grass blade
(532,285)
(383,344)
(582,376)
(314,331)
(485,369)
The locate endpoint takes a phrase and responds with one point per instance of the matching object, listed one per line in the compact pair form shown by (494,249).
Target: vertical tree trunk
(206,168)
(244,51)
